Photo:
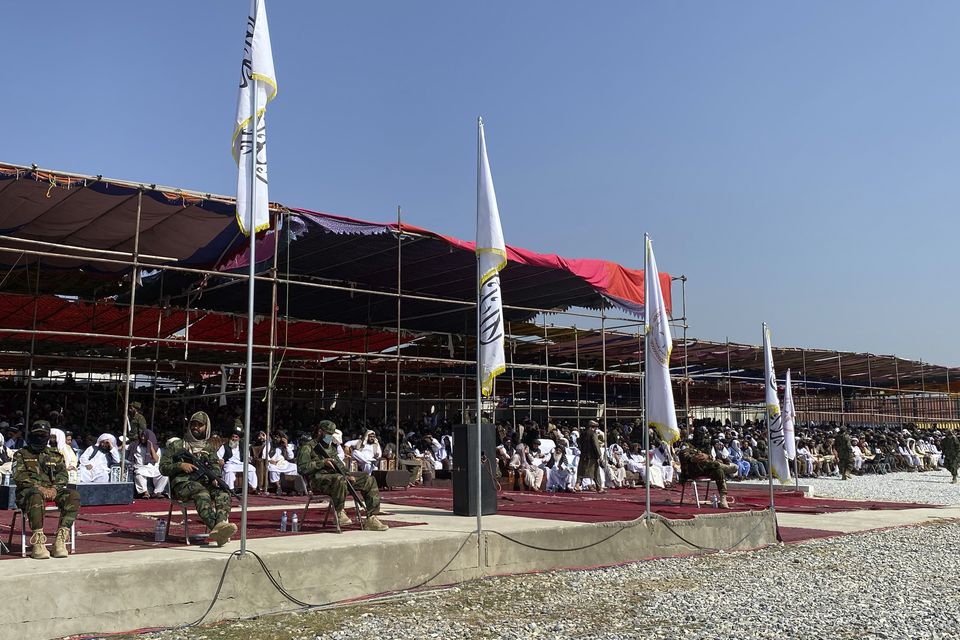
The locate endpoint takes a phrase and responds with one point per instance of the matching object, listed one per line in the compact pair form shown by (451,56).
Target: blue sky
(797,161)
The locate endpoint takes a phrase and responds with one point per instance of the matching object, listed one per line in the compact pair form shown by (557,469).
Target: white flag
(779,466)
(661,412)
(492,256)
(789,417)
(255,72)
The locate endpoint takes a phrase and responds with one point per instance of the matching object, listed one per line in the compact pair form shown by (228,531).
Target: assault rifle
(335,462)
(203,470)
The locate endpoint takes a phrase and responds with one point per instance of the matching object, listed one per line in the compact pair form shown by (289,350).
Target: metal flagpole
(479,371)
(399,300)
(766,375)
(248,394)
(133,301)
(646,377)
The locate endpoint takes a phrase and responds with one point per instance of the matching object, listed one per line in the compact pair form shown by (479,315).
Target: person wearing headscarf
(280,457)
(41,475)
(232,455)
(186,485)
(143,458)
(58,439)
(737,458)
(367,453)
(96,461)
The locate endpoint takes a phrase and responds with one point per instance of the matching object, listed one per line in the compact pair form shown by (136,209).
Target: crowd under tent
(377,315)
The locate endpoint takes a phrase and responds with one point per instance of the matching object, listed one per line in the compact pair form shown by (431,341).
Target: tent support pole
(134,273)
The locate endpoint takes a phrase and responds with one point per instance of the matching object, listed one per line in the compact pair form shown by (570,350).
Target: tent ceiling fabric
(91,212)
(200,230)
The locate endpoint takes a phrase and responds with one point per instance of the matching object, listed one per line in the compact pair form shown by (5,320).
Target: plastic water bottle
(295,524)
(715,501)
(283,522)
(160,531)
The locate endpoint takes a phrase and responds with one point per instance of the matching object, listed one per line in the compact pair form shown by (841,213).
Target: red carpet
(628,504)
(126,527)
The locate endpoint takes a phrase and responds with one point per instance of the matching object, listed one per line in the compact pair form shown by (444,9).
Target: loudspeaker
(465,470)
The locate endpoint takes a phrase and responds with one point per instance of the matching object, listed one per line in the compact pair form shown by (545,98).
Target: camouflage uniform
(844,450)
(212,503)
(696,464)
(44,469)
(951,454)
(138,424)
(323,479)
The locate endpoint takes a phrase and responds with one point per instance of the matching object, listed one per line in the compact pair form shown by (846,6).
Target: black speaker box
(464,473)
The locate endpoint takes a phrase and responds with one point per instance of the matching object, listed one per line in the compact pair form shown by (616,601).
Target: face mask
(37,441)
(327,439)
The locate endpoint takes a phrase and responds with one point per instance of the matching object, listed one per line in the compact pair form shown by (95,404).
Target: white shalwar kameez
(279,461)
(234,465)
(95,464)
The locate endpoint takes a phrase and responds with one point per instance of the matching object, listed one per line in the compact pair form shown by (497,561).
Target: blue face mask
(328,438)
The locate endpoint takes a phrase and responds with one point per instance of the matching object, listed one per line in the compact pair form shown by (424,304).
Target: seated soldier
(696,464)
(41,475)
(212,502)
(323,471)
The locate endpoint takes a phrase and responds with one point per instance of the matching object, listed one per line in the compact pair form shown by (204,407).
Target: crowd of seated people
(89,430)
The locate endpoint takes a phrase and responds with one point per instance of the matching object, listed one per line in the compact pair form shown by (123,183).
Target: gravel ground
(929,487)
(897,583)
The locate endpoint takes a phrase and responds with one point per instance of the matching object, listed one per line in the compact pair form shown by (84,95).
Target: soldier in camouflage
(951,454)
(321,467)
(138,423)
(694,463)
(843,450)
(211,502)
(40,474)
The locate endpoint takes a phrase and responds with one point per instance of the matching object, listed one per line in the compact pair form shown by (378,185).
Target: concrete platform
(110,592)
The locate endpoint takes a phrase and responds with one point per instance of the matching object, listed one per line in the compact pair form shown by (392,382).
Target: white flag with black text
(779,466)
(249,142)
(492,256)
(789,418)
(661,411)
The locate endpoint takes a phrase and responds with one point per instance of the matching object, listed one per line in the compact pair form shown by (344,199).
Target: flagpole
(248,393)
(766,375)
(646,369)
(479,364)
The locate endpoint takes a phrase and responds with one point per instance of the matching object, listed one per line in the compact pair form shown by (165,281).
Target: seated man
(695,464)
(212,503)
(41,475)
(409,459)
(96,461)
(366,452)
(324,472)
(280,456)
(231,453)
(143,457)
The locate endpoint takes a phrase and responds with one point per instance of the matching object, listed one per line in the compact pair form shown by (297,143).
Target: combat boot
(39,542)
(954,481)
(60,543)
(222,532)
(372,523)
(723,502)
(343,519)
